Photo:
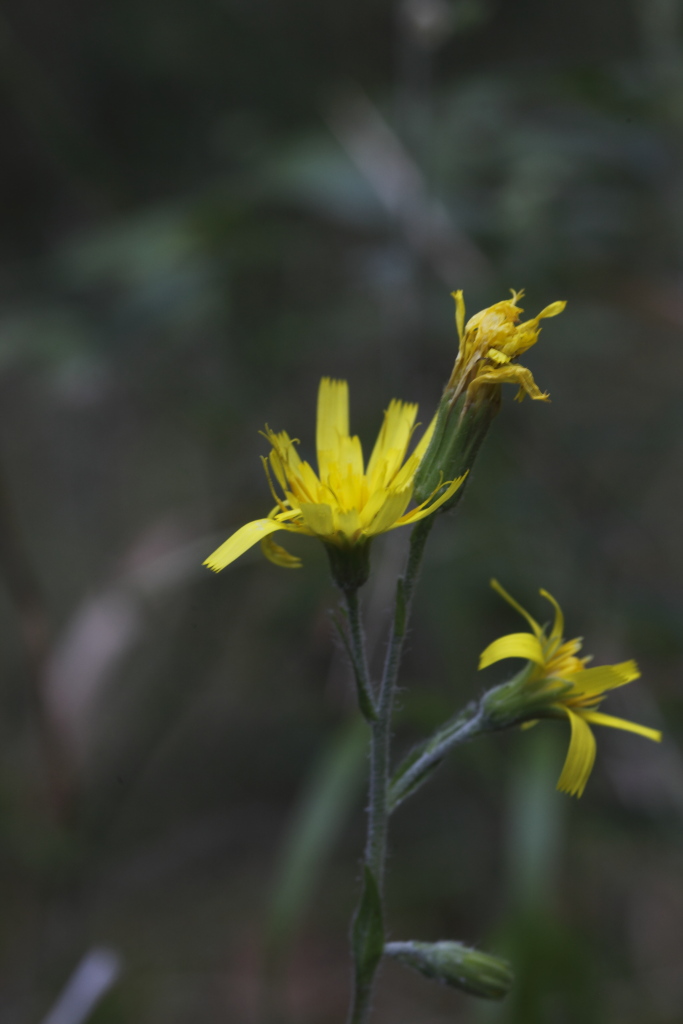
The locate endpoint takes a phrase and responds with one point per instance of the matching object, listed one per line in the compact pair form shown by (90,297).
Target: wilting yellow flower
(490,341)
(558,684)
(346,503)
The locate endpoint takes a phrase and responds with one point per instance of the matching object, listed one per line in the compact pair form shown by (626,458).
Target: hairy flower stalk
(556,684)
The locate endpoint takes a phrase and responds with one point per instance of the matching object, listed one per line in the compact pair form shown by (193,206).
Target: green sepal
(349,564)
(451,963)
(367,935)
(522,699)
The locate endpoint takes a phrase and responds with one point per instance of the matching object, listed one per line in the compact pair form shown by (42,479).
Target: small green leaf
(367,936)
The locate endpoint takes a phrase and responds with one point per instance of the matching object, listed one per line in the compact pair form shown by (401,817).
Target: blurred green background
(207,206)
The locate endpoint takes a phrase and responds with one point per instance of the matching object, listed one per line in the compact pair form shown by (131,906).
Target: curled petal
(495,585)
(513,373)
(558,625)
(278,555)
(514,645)
(426,510)
(580,756)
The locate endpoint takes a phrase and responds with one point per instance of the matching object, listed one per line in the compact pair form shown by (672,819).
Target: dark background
(205,207)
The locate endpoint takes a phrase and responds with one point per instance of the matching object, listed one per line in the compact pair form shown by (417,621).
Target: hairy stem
(359,661)
(380,748)
(409,779)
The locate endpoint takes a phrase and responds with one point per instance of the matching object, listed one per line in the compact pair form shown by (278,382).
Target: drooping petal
(511,374)
(515,604)
(591,681)
(580,756)
(597,718)
(278,555)
(558,626)
(241,541)
(514,645)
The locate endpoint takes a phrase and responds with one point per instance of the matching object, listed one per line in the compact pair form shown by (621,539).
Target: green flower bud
(453,964)
(457,438)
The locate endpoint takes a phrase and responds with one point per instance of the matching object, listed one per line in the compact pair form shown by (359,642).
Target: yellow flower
(490,341)
(555,684)
(346,503)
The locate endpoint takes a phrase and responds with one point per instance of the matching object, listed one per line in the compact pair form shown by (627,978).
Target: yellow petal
(390,512)
(278,555)
(553,309)
(514,645)
(459,312)
(426,510)
(513,373)
(392,442)
(510,600)
(318,518)
(241,541)
(597,718)
(423,443)
(591,681)
(580,756)
(558,625)
(347,523)
(332,421)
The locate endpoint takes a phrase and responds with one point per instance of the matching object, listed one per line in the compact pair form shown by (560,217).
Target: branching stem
(380,744)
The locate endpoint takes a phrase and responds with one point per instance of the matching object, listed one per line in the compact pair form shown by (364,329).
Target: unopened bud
(453,964)
(458,435)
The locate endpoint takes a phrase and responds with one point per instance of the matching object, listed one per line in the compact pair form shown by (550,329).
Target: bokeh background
(205,207)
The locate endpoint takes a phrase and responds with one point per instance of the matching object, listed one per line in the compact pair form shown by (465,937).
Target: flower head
(557,684)
(346,502)
(490,341)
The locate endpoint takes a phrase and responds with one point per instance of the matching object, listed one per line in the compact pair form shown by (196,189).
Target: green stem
(359,661)
(407,781)
(380,746)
